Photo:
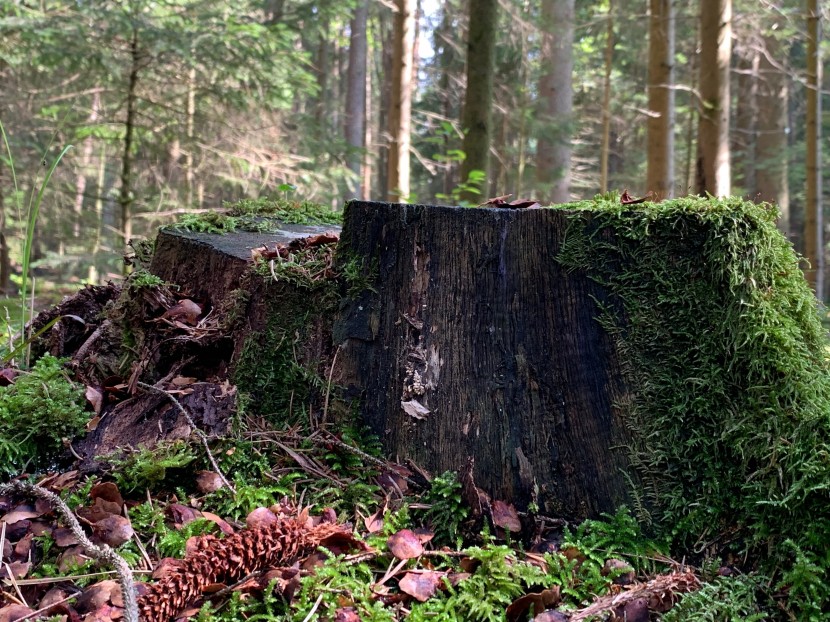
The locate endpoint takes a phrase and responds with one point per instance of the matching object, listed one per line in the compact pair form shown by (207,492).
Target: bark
(126,196)
(500,345)
(813,238)
(605,149)
(323,108)
(553,155)
(771,143)
(660,174)
(356,94)
(400,108)
(478,99)
(713,174)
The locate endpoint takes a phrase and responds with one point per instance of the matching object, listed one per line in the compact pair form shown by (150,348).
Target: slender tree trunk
(356,95)
(400,109)
(190,124)
(369,156)
(86,160)
(323,109)
(745,134)
(385,80)
(813,238)
(771,143)
(478,98)
(125,196)
(553,155)
(713,174)
(660,174)
(692,116)
(95,247)
(605,149)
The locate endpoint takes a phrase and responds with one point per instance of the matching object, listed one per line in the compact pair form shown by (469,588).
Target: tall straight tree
(605,150)
(660,143)
(356,94)
(400,108)
(813,238)
(771,142)
(713,174)
(478,99)
(553,155)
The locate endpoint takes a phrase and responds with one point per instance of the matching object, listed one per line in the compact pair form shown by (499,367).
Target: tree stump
(469,340)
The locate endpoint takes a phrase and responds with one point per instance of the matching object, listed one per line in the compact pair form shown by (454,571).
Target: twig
(328,387)
(16,587)
(101,553)
(314,608)
(81,352)
(75,577)
(202,437)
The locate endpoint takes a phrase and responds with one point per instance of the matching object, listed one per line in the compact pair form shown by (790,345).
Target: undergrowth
(725,355)
(41,409)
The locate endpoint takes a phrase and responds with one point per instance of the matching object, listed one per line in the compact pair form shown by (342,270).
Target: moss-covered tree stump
(470,340)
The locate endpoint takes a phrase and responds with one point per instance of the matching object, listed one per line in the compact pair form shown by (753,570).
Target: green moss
(41,409)
(259,215)
(727,364)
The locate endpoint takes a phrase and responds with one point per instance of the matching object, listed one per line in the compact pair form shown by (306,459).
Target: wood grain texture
(473,319)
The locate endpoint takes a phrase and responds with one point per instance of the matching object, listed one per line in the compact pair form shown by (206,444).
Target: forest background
(179,105)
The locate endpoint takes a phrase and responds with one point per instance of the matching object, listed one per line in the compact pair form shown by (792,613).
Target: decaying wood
(471,341)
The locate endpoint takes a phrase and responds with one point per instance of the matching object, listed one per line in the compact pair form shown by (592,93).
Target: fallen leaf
(7,376)
(185,311)
(113,530)
(260,517)
(539,601)
(72,558)
(20,513)
(107,491)
(421,585)
(405,544)
(18,569)
(627,199)
(415,409)
(505,516)
(95,398)
(64,537)
(182,381)
(346,614)
(12,613)
(181,515)
(374,523)
(208,481)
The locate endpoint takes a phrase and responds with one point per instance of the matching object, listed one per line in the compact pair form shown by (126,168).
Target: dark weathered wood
(470,317)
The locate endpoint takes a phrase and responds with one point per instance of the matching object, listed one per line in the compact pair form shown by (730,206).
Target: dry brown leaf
(113,530)
(421,585)
(415,409)
(95,398)
(374,523)
(405,544)
(12,613)
(506,516)
(260,517)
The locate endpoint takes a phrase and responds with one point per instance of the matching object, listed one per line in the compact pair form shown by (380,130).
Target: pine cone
(228,560)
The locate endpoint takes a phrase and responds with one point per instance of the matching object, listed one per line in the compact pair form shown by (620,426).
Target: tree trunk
(771,144)
(125,196)
(660,175)
(190,133)
(813,238)
(713,175)
(478,99)
(605,150)
(745,131)
(400,108)
(485,350)
(356,95)
(553,155)
(86,161)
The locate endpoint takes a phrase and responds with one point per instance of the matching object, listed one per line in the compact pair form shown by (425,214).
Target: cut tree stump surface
(210,263)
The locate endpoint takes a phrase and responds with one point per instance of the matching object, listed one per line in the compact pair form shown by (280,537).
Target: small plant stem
(314,608)
(15,585)
(202,437)
(328,387)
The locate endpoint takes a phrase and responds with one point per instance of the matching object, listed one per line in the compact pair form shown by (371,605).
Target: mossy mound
(727,363)
(259,215)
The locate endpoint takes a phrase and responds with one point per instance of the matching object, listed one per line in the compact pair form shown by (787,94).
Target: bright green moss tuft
(726,361)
